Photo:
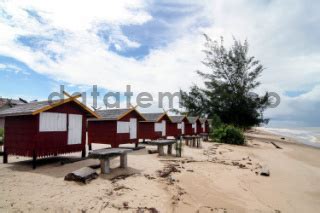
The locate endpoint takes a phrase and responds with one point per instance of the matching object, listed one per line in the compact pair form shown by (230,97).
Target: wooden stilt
(90,146)
(34,160)
(5,157)
(83,154)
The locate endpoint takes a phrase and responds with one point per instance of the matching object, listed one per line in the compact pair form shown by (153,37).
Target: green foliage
(229,86)
(1,135)
(216,121)
(228,134)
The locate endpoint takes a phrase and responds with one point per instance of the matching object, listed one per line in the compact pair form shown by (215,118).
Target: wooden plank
(275,145)
(83,175)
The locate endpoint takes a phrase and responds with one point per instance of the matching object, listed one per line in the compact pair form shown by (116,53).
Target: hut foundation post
(83,154)
(90,146)
(5,157)
(105,166)
(170,149)
(123,160)
(34,160)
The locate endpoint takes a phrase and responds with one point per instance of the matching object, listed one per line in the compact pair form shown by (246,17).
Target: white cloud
(282,34)
(12,68)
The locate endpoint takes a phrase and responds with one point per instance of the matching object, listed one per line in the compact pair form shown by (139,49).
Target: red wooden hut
(204,125)
(154,127)
(194,126)
(177,127)
(115,127)
(40,129)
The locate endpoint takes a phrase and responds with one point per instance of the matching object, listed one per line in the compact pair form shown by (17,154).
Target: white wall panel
(133,128)
(53,122)
(182,127)
(75,129)
(164,128)
(123,127)
(158,127)
(194,126)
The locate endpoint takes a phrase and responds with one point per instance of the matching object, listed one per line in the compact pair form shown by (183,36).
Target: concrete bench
(104,155)
(193,140)
(161,143)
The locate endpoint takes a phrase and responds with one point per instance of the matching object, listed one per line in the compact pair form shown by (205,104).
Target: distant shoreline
(304,136)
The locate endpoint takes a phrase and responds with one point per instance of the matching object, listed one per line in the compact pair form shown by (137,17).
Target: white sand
(213,183)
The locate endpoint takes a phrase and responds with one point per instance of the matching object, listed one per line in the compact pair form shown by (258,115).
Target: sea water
(308,135)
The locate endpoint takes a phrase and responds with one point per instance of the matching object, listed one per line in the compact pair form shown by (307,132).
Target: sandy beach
(215,178)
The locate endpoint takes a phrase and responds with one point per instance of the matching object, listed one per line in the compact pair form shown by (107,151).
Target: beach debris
(168,170)
(177,197)
(126,205)
(121,187)
(190,170)
(147,210)
(149,177)
(275,145)
(283,138)
(120,177)
(152,151)
(265,171)
(83,175)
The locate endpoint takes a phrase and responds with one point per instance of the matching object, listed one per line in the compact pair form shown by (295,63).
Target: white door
(182,127)
(74,129)
(163,128)
(133,128)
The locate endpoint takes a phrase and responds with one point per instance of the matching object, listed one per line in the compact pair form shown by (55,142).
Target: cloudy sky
(156,46)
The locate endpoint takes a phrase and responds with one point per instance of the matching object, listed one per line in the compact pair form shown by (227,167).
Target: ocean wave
(309,136)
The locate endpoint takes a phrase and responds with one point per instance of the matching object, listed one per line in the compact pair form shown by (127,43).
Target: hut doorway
(133,128)
(74,129)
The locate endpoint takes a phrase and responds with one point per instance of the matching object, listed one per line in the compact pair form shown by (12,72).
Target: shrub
(228,134)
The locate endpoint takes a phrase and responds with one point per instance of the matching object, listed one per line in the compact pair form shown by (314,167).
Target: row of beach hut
(41,129)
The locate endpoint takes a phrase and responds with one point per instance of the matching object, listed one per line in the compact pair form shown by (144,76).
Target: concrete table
(161,143)
(104,155)
(193,140)
(205,136)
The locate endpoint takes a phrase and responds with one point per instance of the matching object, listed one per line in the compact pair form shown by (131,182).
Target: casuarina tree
(229,86)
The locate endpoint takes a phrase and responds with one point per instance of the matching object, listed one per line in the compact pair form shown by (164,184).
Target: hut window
(158,127)
(179,126)
(194,126)
(53,122)
(123,127)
